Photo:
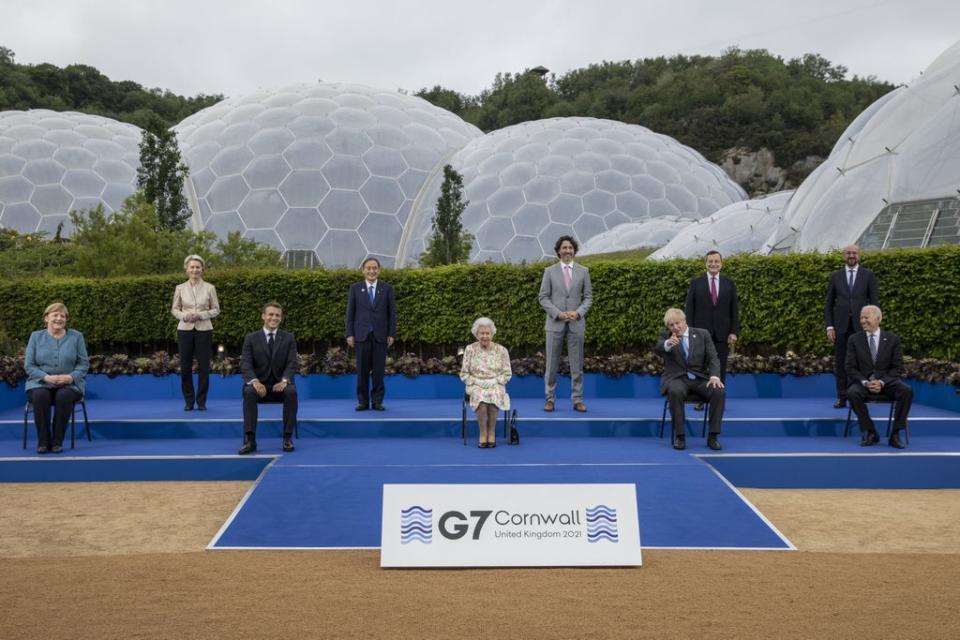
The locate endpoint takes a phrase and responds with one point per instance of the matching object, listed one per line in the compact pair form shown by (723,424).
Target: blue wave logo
(416,525)
(601,524)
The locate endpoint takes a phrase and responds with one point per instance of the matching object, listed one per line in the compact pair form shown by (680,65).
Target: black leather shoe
(713,443)
(378,407)
(492,445)
(288,445)
(680,443)
(869,438)
(42,450)
(698,406)
(840,403)
(361,407)
(59,448)
(250,446)
(201,407)
(895,441)
(188,406)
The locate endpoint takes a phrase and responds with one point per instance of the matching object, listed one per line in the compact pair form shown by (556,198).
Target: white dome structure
(331,170)
(530,183)
(740,227)
(52,163)
(652,233)
(893,177)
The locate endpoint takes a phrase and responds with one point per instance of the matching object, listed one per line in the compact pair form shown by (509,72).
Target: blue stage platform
(778,432)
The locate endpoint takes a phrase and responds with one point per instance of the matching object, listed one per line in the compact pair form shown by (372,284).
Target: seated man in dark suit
(371,328)
(690,366)
(267,365)
(874,366)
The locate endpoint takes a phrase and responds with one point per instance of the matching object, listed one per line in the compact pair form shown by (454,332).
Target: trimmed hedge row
(781,302)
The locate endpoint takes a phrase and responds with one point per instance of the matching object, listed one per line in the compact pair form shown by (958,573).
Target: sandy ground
(126,560)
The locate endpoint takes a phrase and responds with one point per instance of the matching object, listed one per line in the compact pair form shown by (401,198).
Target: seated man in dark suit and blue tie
(268,364)
(690,367)
(874,366)
(371,329)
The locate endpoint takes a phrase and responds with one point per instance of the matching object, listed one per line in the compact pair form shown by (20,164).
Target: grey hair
(192,257)
(483,322)
(874,309)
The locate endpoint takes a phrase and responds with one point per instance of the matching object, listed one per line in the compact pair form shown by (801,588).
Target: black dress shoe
(188,406)
(492,445)
(378,407)
(288,445)
(42,449)
(869,438)
(361,407)
(482,445)
(680,443)
(698,406)
(713,443)
(201,407)
(250,446)
(840,403)
(895,441)
(57,448)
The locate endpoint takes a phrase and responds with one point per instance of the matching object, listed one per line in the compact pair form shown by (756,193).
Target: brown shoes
(580,407)
(548,405)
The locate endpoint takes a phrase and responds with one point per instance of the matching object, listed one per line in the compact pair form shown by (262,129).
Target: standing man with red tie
(712,305)
(848,291)
(371,329)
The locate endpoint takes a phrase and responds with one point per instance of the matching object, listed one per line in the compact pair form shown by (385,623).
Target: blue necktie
(370,290)
(873,347)
(850,279)
(686,352)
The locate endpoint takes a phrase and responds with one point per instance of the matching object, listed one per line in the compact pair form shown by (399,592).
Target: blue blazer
(381,315)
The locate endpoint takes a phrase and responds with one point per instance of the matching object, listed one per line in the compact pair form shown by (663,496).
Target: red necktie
(713,289)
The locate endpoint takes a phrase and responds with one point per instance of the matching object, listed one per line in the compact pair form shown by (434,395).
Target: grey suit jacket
(702,360)
(555,298)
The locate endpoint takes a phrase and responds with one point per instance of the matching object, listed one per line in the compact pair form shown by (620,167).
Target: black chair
(73,421)
(688,400)
(507,417)
(877,400)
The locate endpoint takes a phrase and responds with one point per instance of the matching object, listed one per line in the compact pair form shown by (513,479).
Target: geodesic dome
(740,227)
(652,233)
(532,182)
(52,163)
(892,178)
(327,168)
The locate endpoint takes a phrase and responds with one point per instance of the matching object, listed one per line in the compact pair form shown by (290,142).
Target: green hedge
(781,302)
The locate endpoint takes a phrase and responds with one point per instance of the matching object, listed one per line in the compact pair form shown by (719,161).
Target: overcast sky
(237,46)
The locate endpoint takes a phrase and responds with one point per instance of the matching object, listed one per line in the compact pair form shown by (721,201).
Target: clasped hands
(873,386)
(568,316)
(58,379)
(261,388)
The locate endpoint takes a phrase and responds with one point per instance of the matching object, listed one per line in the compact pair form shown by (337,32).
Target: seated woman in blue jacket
(55,362)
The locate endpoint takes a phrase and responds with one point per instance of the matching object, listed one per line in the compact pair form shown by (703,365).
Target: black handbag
(512,423)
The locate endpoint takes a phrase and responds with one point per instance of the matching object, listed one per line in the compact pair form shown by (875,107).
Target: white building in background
(55,162)
(737,228)
(645,234)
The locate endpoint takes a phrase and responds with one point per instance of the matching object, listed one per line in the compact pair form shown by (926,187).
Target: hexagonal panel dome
(740,227)
(345,160)
(652,233)
(579,176)
(53,162)
(888,175)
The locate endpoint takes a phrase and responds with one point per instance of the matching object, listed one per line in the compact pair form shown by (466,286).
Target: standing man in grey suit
(848,291)
(712,305)
(690,366)
(566,296)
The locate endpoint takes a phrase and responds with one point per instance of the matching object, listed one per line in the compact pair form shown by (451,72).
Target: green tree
(161,175)
(240,252)
(450,243)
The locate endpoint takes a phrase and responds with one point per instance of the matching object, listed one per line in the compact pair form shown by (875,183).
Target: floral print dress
(485,372)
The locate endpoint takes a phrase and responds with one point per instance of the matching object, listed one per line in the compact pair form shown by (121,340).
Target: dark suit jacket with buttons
(381,315)
(860,365)
(842,305)
(256,363)
(702,360)
(720,320)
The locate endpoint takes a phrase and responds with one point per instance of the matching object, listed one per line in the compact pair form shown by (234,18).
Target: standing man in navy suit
(371,329)
(874,367)
(712,305)
(268,363)
(848,291)
(690,367)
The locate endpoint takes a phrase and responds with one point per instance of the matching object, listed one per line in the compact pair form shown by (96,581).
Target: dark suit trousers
(723,352)
(197,344)
(43,399)
(371,362)
(899,392)
(250,413)
(840,357)
(679,389)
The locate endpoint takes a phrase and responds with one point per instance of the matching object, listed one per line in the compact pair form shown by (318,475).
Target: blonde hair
(483,322)
(55,306)
(190,258)
(672,315)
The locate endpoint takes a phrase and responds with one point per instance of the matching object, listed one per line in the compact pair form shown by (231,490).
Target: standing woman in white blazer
(195,304)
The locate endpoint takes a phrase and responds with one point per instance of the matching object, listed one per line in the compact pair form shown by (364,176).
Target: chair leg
(846,427)
(663,418)
(73,426)
(706,414)
(26,414)
(463,421)
(86,422)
